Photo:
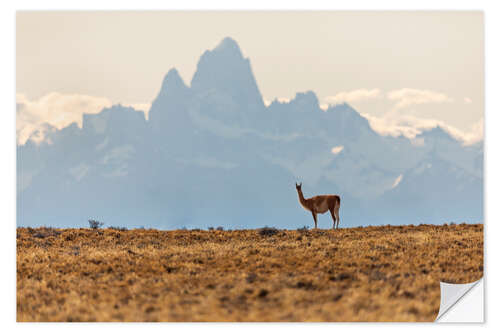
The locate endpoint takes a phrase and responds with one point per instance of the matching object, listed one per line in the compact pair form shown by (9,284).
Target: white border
(7,91)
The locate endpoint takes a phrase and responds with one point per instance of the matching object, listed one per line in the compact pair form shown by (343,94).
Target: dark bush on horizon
(44,232)
(266,231)
(118,228)
(303,229)
(94,224)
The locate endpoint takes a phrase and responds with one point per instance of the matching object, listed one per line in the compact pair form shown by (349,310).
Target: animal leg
(333,217)
(337,207)
(315,220)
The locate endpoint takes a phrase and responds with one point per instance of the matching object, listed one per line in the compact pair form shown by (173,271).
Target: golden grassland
(388,273)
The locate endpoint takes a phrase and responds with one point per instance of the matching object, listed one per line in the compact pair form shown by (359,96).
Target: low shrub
(94,224)
(304,229)
(266,231)
(118,228)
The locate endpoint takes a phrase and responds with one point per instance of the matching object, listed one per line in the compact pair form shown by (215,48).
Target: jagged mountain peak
(436,133)
(173,76)
(118,108)
(224,71)
(208,136)
(172,82)
(341,107)
(116,116)
(303,101)
(225,61)
(306,100)
(228,46)
(172,99)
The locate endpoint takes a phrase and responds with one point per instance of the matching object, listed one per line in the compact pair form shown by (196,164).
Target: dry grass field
(388,273)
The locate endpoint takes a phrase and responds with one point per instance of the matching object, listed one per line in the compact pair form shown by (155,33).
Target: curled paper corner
(452,294)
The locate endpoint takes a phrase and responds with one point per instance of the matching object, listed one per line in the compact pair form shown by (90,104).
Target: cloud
(58,110)
(397,181)
(324,106)
(353,96)
(79,171)
(408,96)
(336,150)
(477,131)
(283,100)
(276,99)
(395,124)
(402,97)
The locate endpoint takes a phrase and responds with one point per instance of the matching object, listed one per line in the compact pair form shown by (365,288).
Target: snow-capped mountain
(212,154)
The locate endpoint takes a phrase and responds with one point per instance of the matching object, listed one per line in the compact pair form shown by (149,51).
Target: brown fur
(320,204)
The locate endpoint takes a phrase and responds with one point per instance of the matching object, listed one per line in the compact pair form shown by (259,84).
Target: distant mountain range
(213,154)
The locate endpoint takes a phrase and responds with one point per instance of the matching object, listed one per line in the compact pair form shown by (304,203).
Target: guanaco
(320,204)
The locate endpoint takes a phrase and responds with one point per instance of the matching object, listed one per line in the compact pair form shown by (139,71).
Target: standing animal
(320,204)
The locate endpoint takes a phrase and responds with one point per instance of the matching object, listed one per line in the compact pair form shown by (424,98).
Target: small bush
(266,231)
(118,228)
(211,228)
(304,229)
(220,228)
(45,232)
(94,224)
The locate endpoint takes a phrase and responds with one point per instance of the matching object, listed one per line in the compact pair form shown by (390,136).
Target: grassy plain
(388,273)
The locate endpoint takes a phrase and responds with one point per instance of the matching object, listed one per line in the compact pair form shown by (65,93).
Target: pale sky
(404,71)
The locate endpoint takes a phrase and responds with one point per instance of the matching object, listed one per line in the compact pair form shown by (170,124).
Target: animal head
(298,186)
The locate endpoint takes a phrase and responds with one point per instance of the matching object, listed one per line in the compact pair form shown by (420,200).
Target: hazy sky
(403,70)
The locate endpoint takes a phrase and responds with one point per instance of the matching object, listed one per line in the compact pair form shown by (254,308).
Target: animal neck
(301,197)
